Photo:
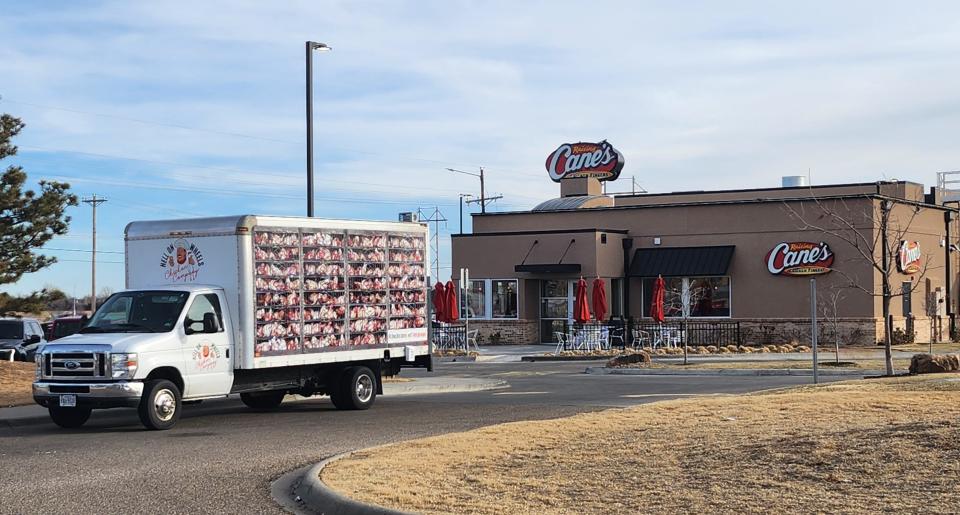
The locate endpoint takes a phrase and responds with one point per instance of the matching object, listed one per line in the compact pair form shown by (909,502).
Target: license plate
(68,401)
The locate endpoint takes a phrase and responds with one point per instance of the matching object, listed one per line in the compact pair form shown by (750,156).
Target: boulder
(629,359)
(934,363)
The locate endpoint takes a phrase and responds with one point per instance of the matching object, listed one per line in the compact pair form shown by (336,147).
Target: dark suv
(22,335)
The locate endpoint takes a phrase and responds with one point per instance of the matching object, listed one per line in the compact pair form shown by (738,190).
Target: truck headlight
(38,359)
(123,365)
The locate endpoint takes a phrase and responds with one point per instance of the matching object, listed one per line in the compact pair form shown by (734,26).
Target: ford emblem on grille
(71,365)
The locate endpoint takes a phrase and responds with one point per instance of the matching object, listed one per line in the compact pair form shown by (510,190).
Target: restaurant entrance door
(556,308)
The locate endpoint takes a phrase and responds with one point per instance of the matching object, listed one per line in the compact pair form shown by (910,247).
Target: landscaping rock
(934,364)
(626,360)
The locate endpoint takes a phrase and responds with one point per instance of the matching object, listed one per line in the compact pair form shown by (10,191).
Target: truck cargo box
(303,290)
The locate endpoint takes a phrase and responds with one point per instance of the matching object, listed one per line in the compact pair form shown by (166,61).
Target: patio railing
(693,333)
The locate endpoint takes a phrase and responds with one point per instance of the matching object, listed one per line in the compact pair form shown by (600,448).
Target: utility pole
(483,198)
(484,202)
(436,217)
(94,202)
(462,196)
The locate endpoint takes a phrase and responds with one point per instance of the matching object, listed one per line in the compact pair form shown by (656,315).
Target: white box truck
(252,305)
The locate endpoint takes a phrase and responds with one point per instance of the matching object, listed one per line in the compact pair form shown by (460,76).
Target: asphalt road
(221,457)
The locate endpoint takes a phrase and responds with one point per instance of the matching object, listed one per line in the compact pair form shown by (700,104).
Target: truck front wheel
(69,417)
(160,405)
(356,389)
(263,401)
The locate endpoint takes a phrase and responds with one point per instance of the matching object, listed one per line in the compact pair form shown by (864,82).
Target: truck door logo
(205,355)
(181,261)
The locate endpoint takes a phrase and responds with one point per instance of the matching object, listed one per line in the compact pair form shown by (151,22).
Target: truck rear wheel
(160,405)
(263,401)
(69,417)
(356,389)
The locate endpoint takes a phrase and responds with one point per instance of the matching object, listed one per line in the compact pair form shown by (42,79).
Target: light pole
(483,202)
(311,46)
(462,196)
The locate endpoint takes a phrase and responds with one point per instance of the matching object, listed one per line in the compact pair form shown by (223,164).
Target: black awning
(549,268)
(681,261)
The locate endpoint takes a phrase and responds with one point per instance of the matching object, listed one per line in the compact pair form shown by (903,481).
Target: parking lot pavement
(222,457)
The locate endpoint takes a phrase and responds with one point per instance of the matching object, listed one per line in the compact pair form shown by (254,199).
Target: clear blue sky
(174,109)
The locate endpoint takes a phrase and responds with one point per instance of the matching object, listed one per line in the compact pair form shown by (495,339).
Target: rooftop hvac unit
(409,217)
(794,181)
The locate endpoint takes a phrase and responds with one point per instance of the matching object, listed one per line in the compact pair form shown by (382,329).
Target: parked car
(22,335)
(63,326)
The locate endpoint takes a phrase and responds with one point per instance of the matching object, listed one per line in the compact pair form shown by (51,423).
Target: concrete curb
(564,358)
(455,359)
(727,372)
(313,496)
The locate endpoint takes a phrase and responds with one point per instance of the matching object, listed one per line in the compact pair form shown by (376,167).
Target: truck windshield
(11,330)
(138,311)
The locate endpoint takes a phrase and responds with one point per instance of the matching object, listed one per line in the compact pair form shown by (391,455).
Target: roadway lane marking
(522,393)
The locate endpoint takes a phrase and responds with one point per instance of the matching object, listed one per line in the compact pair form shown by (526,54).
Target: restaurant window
(616,297)
(693,297)
(504,298)
(476,300)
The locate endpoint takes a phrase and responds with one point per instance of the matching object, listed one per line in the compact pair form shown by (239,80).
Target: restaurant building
(733,257)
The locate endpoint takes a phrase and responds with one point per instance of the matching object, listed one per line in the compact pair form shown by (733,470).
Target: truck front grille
(75,365)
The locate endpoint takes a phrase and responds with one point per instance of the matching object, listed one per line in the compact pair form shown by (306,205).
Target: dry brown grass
(861,446)
(899,365)
(16,379)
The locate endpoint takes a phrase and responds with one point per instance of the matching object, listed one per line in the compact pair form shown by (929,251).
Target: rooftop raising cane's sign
(799,258)
(598,160)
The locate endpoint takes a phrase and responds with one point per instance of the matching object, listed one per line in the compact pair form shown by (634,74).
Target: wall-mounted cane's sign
(598,160)
(909,259)
(799,258)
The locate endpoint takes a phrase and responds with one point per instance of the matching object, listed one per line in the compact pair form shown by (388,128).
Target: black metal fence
(691,333)
(449,336)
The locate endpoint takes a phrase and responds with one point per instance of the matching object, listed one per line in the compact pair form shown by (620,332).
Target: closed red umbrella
(439,302)
(599,300)
(581,307)
(656,302)
(450,309)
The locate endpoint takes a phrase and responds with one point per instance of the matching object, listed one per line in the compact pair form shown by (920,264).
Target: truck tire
(263,401)
(160,405)
(69,417)
(356,389)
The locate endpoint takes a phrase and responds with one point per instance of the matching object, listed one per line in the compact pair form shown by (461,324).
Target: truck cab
(147,349)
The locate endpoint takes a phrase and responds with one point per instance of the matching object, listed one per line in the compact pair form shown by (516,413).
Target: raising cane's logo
(799,258)
(909,259)
(598,160)
(181,261)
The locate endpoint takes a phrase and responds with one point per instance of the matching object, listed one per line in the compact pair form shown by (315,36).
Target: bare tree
(875,233)
(829,305)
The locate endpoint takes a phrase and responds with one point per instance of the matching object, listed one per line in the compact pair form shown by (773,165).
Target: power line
(249,136)
(88,261)
(129,184)
(83,250)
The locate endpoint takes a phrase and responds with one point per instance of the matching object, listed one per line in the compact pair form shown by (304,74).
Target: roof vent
(794,181)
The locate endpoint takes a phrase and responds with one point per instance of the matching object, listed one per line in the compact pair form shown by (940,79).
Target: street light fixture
(321,47)
(483,203)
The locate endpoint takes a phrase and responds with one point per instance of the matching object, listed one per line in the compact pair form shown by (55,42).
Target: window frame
(215,304)
(488,299)
(685,295)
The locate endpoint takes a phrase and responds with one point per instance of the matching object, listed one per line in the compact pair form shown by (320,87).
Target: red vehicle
(64,326)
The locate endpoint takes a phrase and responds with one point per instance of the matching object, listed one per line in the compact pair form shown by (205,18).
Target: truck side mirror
(210,323)
(190,326)
(34,338)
